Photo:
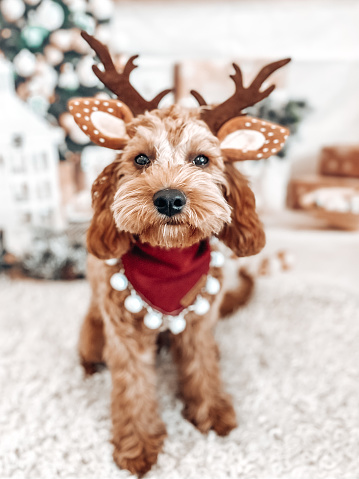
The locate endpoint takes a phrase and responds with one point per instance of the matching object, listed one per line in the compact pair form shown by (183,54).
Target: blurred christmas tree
(52,62)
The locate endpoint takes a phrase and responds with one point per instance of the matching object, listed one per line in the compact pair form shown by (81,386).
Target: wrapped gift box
(300,186)
(340,161)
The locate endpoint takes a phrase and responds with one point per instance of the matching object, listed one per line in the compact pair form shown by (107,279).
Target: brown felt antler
(243,97)
(119,83)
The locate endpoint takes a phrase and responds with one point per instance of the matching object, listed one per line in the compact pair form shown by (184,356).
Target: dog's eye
(142,160)
(200,160)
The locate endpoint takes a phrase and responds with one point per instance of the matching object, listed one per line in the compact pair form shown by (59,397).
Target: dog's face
(174,183)
(172,180)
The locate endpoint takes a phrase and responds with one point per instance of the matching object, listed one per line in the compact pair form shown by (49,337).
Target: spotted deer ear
(246,138)
(103,121)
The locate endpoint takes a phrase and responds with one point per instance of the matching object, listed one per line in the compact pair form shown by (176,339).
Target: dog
(152,267)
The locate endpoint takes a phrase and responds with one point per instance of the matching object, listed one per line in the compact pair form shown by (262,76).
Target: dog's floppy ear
(103,238)
(244,235)
(246,138)
(103,121)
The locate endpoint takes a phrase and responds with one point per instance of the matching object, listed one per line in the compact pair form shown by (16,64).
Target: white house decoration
(29,188)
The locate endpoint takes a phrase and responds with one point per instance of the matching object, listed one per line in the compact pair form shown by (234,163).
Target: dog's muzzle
(169,201)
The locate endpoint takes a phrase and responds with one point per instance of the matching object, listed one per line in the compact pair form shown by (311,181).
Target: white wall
(322,37)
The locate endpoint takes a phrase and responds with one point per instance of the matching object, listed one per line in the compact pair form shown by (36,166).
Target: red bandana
(164,276)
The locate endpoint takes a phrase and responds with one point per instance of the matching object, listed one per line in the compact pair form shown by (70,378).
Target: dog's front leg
(138,431)
(207,406)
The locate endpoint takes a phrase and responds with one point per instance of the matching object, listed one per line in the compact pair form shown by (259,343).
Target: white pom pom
(217,259)
(153,320)
(133,303)
(119,282)
(177,324)
(111,261)
(201,306)
(212,285)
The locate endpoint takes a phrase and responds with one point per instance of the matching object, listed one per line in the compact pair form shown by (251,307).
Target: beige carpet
(290,359)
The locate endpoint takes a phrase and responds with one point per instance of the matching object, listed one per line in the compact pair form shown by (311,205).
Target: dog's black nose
(169,202)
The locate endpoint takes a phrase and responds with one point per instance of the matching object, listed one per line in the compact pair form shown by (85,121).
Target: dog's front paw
(91,368)
(141,454)
(217,414)
(136,465)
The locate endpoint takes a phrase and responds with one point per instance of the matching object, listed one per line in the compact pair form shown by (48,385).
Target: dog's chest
(166,288)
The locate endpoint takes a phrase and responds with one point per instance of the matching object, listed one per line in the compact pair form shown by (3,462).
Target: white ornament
(84,21)
(62,39)
(68,78)
(177,324)
(38,104)
(78,136)
(53,55)
(201,306)
(77,5)
(102,9)
(45,79)
(111,261)
(85,72)
(133,303)
(68,123)
(212,285)
(12,9)
(217,259)
(49,15)
(25,63)
(119,282)
(103,33)
(153,320)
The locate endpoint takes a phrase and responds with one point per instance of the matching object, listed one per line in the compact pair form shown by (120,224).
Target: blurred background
(308,196)
(289,357)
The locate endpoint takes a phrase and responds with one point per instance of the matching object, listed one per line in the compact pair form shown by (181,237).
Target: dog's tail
(235,298)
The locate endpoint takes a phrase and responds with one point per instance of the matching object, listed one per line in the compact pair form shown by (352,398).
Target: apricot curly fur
(239,296)
(244,235)
(219,202)
(104,240)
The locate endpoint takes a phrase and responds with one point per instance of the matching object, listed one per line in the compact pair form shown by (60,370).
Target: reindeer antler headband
(119,83)
(242,137)
(243,97)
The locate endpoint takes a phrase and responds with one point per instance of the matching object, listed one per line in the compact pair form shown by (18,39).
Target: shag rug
(290,359)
